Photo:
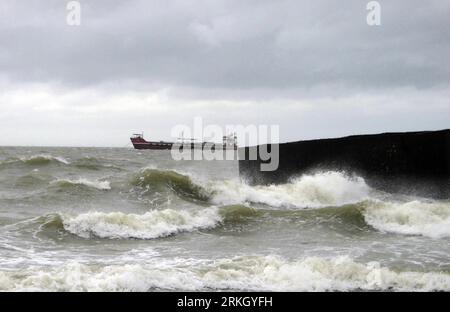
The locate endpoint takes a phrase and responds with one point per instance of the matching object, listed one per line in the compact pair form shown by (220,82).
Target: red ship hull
(140,143)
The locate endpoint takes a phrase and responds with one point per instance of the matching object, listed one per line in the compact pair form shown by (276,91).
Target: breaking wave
(309,191)
(153,224)
(430,219)
(154,180)
(348,197)
(150,225)
(162,223)
(257,273)
(67,183)
(412,218)
(333,195)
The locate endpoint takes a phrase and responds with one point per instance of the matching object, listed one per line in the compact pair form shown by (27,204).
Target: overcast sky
(315,68)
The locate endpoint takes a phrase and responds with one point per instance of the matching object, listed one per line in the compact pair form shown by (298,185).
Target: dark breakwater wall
(411,162)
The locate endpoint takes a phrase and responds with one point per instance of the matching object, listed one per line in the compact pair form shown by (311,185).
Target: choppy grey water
(82,219)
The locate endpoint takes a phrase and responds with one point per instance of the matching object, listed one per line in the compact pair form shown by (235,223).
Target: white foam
(318,190)
(430,219)
(243,273)
(100,185)
(153,224)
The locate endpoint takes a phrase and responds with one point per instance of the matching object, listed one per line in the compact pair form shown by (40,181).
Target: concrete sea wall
(411,162)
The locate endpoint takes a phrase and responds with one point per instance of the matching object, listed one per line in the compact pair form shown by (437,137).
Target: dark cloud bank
(236,51)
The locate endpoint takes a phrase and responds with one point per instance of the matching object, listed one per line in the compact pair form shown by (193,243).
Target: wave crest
(430,219)
(39,160)
(309,191)
(159,180)
(153,224)
(36,160)
(67,183)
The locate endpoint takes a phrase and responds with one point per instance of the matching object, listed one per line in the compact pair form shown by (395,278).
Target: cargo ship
(228,142)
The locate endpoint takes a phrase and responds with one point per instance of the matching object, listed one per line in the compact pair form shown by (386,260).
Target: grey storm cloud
(315,68)
(227,45)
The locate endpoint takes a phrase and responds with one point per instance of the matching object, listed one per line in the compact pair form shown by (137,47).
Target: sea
(119,219)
